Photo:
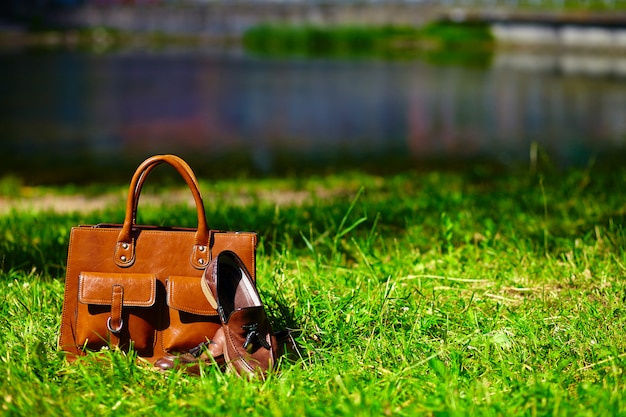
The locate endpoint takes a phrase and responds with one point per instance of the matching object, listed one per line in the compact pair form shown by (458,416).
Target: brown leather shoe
(212,353)
(250,346)
(209,353)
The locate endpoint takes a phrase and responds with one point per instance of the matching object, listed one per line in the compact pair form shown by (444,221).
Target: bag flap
(97,288)
(185,294)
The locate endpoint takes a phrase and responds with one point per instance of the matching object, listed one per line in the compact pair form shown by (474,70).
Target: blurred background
(89,88)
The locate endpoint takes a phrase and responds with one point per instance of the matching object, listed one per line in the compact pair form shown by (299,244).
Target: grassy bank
(435,293)
(463,41)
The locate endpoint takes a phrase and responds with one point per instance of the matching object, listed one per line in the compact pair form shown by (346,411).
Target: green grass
(484,291)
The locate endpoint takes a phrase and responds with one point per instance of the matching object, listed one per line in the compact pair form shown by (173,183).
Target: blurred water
(59,110)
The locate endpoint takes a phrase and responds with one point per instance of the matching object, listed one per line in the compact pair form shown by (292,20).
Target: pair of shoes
(245,343)
(250,347)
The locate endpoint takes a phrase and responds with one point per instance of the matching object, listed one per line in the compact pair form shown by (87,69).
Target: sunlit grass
(480,291)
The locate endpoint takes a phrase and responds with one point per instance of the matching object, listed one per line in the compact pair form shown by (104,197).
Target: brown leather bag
(130,285)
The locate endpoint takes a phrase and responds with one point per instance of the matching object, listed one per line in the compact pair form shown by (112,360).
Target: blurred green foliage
(459,42)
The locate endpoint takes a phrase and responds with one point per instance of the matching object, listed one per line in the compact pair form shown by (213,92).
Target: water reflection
(57,108)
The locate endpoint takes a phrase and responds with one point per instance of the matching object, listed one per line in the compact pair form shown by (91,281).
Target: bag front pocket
(116,309)
(192,320)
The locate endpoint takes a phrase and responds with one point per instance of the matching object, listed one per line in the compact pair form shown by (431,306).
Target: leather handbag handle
(146,171)
(125,248)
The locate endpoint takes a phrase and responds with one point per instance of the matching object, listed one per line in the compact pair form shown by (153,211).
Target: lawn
(475,291)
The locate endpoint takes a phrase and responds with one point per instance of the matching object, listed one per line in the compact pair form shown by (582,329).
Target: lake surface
(69,116)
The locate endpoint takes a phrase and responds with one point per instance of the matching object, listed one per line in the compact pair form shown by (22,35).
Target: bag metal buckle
(118,329)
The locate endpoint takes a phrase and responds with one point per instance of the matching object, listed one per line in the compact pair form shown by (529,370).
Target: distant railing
(514,4)
(233,17)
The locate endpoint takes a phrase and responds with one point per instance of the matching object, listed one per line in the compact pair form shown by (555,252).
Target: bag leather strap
(125,247)
(115,322)
(149,168)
